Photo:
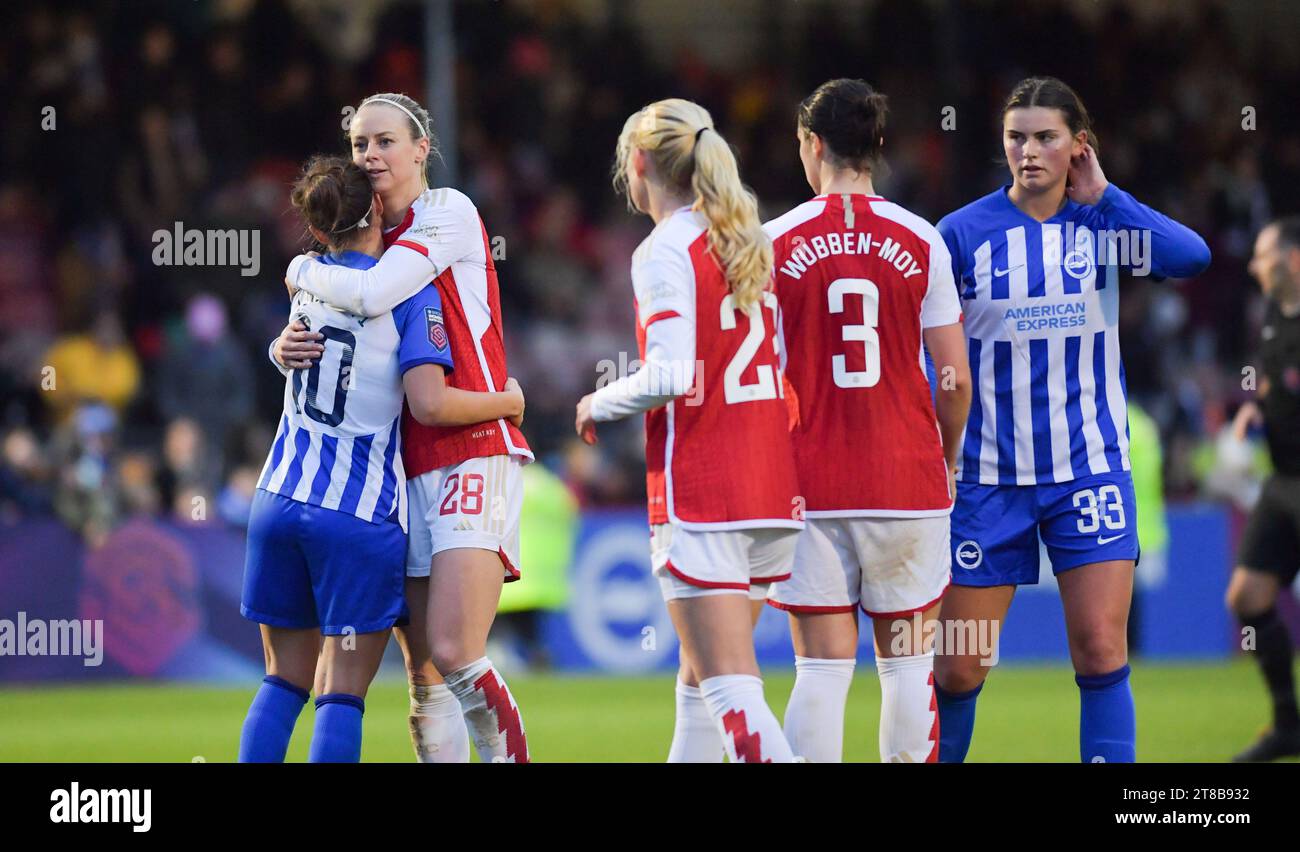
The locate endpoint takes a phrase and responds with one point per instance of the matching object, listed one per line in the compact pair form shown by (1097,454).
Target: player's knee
(344,681)
(297,670)
(422,673)
(839,646)
(450,653)
(959,673)
(963,681)
(1100,651)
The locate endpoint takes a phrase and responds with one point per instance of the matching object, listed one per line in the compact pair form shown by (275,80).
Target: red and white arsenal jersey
(472,314)
(718,457)
(858,278)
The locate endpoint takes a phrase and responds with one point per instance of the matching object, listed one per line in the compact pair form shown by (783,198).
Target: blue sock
(1107,723)
(269,723)
(337,738)
(956,722)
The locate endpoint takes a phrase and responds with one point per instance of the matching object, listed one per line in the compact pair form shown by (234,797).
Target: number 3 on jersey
(866,332)
(767,387)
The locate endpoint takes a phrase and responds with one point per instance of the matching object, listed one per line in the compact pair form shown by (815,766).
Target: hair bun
(331,194)
(849,116)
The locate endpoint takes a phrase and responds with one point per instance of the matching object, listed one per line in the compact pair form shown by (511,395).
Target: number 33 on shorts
(475,503)
(1103,505)
(1101,518)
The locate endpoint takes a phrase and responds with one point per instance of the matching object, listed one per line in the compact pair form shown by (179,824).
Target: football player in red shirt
(863,284)
(465,483)
(720,477)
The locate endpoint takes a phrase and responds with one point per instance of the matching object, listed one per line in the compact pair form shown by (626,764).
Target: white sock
(438,729)
(909,718)
(490,712)
(695,736)
(814,718)
(750,732)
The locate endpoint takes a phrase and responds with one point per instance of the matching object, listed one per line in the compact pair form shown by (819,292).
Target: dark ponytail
(333,195)
(1054,94)
(849,116)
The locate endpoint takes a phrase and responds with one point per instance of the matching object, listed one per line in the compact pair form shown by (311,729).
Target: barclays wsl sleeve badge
(437,331)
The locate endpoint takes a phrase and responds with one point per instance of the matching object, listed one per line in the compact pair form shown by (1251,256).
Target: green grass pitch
(1026,713)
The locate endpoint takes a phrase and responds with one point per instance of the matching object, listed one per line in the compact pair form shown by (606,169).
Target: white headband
(409,114)
(361,223)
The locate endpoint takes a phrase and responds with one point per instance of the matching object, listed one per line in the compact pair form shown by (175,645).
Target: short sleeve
(422,331)
(445,228)
(948,233)
(940,306)
(664,284)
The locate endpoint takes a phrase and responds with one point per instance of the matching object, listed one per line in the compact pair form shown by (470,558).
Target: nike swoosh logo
(1101,539)
(1005,271)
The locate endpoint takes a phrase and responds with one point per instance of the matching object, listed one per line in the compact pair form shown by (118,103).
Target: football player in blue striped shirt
(1046,451)
(327,534)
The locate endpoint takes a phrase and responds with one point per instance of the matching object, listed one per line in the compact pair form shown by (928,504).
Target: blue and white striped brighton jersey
(1041,306)
(339,441)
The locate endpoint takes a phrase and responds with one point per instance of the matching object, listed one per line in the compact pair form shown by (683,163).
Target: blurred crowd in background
(133,388)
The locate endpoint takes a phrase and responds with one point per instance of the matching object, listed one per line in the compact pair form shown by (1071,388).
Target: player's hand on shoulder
(584,423)
(1085,182)
(512,387)
(297,348)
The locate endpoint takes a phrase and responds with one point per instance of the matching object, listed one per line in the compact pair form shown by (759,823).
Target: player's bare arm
(433,402)
(947,346)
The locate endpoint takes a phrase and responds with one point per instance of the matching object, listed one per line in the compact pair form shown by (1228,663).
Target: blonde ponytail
(689,155)
(735,233)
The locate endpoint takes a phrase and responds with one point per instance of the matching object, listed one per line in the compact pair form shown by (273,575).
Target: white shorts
(891,567)
(691,564)
(475,503)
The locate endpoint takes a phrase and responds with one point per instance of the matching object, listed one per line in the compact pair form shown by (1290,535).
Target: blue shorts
(995,528)
(314,567)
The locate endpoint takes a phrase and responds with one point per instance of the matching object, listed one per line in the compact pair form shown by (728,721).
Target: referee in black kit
(1270,548)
